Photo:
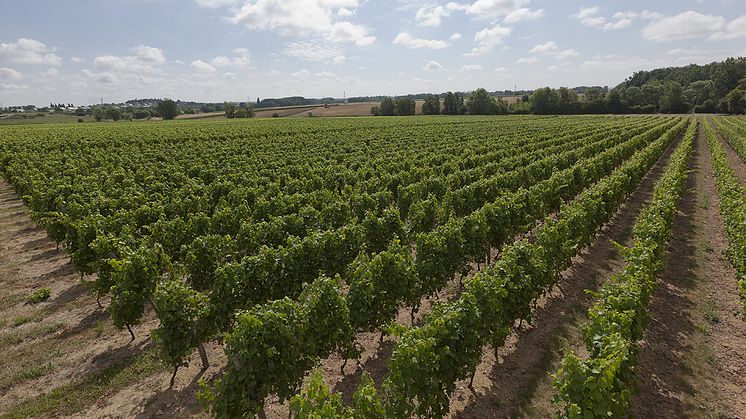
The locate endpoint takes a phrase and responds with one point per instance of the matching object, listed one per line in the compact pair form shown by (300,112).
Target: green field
(286,240)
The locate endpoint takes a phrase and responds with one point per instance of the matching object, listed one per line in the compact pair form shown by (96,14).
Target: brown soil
(519,383)
(691,357)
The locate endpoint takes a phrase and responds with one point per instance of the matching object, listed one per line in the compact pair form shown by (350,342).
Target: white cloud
(304,18)
(325,74)
(586,12)
(488,9)
(407,40)
(10,74)
(76,60)
(433,66)
(28,51)
(203,67)
(104,77)
(470,67)
(490,37)
(344,12)
(240,59)
(149,54)
(588,16)
(527,60)
(546,48)
(523,15)
(431,15)
(300,73)
(565,54)
(685,25)
(735,29)
(456,36)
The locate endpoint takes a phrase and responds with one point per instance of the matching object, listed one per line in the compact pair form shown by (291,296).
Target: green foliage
(404,107)
(387,107)
(602,384)
(480,103)
(167,109)
(180,310)
(39,295)
(431,106)
(732,195)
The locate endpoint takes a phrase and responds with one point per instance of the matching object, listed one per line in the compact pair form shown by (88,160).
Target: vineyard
(375,267)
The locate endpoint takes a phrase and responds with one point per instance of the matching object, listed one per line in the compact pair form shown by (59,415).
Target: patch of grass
(711,311)
(704,328)
(20,320)
(18,336)
(36,297)
(74,397)
(100,327)
(28,373)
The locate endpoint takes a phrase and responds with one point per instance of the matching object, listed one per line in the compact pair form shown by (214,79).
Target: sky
(83,51)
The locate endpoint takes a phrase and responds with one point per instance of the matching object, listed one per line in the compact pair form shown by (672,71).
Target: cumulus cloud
(456,36)
(548,47)
(489,8)
(523,15)
(28,51)
(407,40)
(304,18)
(589,16)
(240,59)
(735,29)
(9,74)
(470,67)
(203,67)
(431,15)
(149,54)
(685,25)
(433,66)
(301,73)
(103,77)
(488,38)
(527,60)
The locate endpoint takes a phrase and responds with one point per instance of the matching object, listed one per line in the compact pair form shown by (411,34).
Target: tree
(736,100)
(614,102)
(387,107)
(114,114)
(480,103)
(672,100)
(405,107)
(431,105)
(567,100)
(453,104)
(230,110)
(375,111)
(167,108)
(544,101)
(99,113)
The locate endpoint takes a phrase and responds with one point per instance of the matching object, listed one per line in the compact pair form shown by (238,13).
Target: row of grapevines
(732,208)
(429,360)
(733,130)
(378,286)
(601,385)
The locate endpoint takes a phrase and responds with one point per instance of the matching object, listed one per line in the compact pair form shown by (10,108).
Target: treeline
(479,102)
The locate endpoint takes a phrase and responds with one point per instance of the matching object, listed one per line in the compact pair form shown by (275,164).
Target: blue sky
(214,50)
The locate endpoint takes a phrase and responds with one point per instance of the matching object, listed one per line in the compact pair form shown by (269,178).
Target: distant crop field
(410,266)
